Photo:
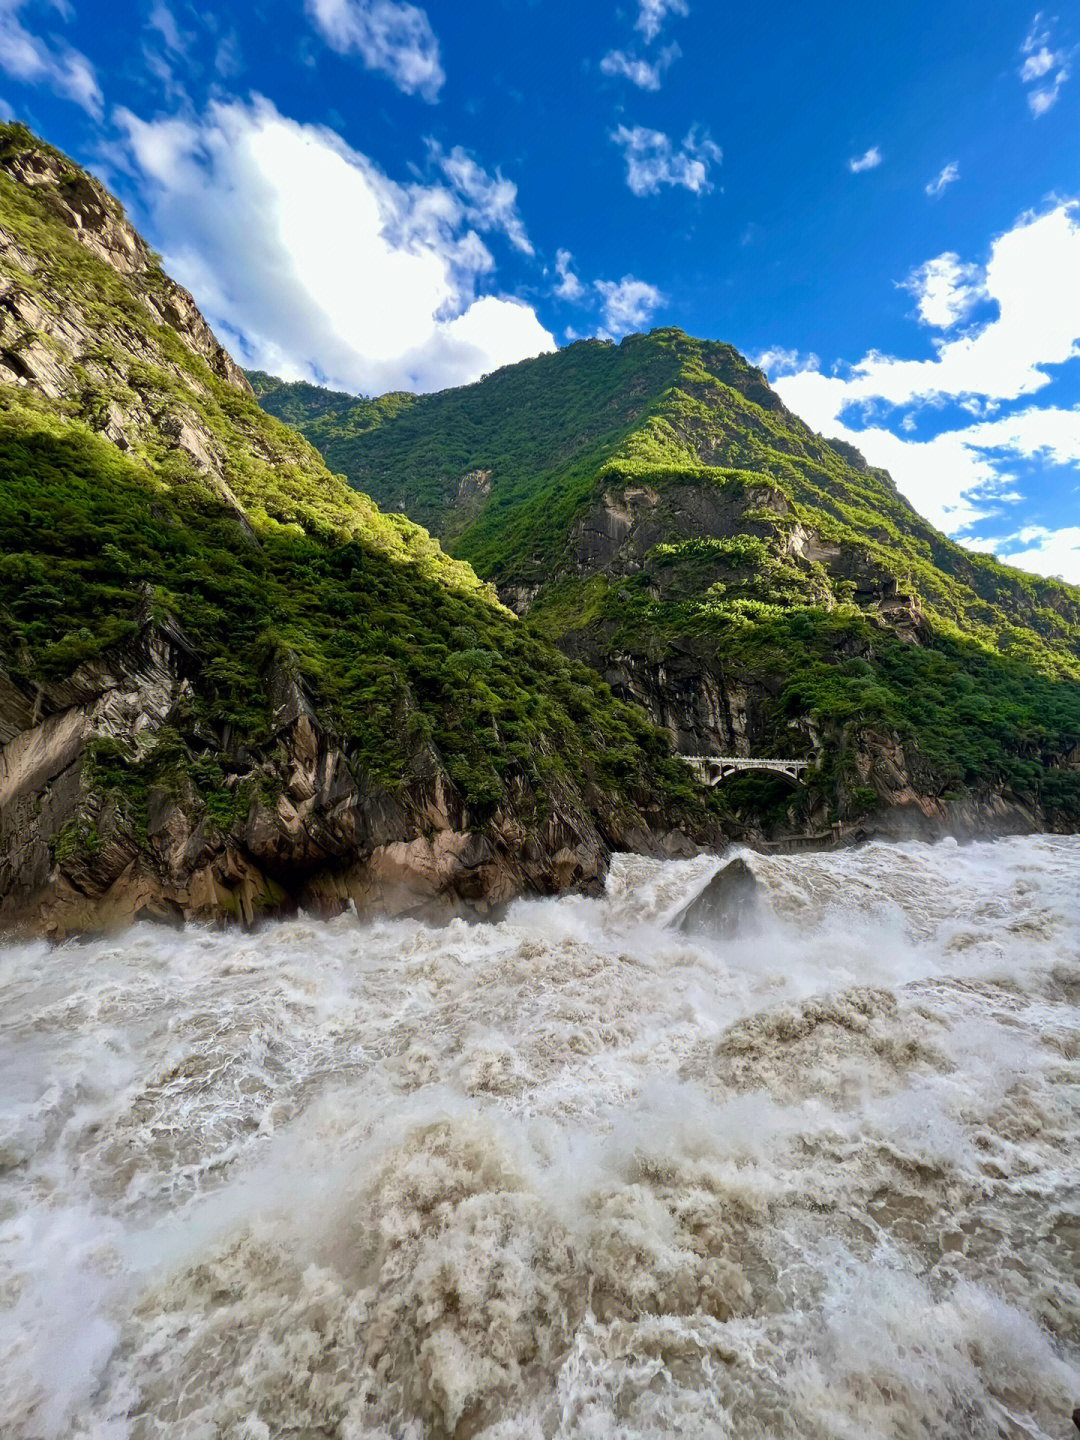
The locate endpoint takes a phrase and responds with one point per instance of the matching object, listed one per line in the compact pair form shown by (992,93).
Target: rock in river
(730,902)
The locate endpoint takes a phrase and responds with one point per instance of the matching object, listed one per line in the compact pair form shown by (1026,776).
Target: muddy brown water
(570,1175)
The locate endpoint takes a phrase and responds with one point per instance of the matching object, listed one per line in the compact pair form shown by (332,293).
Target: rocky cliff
(655,510)
(229,685)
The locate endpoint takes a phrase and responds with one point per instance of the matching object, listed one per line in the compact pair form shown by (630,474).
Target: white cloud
(314,264)
(569,286)
(492,200)
(1042,100)
(642,73)
(1037,431)
(1045,69)
(1033,276)
(653,13)
(948,175)
(35,61)
(652,159)
(1046,552)
(868,161)
(947,291)
(778,361)
(166,47)
(628,303)
(1037,65)
(227,58)
(388,35)
(164,22)
(961,476)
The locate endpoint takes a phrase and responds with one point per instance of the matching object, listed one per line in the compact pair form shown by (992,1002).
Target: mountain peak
(61,191)
(655,509)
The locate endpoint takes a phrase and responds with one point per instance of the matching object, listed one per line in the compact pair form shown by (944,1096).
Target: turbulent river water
(572,1174)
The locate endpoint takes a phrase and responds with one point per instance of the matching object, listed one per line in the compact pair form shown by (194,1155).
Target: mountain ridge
(229,684)
(655,509)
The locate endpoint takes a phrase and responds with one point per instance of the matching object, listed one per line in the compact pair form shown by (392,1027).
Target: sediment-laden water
(568,1175)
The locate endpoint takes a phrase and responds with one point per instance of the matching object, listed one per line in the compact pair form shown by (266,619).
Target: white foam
(573,1174)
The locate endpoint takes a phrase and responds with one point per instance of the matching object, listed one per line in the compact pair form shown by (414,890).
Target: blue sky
(878,203)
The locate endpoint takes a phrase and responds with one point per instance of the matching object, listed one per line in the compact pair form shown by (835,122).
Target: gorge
(720,1124)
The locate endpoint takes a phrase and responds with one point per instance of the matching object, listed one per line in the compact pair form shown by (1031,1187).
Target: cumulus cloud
(491,199)
(569,286)
(870,160)
(1033,277)
(628,304)
(1045,68)
(645,74)
(388,35)
(948,175)
(777,361)
(27,57)
(653,13)
(1046,552)
(946,290)
(652,159)
(312,263)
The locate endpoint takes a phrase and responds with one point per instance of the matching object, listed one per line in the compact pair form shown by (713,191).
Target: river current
(569,1175)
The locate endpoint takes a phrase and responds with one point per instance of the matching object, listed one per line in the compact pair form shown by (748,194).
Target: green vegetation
(739,537)
(543,427)
(398,644)
(271,567)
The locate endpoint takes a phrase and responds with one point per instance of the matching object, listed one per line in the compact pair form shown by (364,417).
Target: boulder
(729,904)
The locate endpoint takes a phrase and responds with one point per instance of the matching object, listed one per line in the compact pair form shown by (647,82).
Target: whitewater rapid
(570,1175)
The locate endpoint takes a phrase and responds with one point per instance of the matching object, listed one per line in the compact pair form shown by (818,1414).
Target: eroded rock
(311,832)
(729,904)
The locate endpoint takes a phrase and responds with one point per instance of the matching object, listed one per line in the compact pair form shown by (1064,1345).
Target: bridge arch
(713,770)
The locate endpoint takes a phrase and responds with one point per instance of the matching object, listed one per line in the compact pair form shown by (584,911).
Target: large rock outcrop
(729,904)
(82,848)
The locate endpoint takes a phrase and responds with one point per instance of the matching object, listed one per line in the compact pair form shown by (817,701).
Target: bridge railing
(744,762)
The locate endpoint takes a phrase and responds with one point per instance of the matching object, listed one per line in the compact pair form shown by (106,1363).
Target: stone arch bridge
(712,769)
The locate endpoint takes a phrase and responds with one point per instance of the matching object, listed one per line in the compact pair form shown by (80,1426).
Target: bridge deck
(714,768)
(744,762)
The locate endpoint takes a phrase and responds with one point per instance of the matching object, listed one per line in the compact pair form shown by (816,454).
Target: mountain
(229,684)
(654,509)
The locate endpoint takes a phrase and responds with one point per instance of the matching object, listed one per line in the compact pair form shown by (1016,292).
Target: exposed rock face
(704,709)
(729,904)
(77,855)
(99,224)
(710,706)
(60,346)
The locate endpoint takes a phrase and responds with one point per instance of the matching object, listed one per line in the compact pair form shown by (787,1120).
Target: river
(568,1175)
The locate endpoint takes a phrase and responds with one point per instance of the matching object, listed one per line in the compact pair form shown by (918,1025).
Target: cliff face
(229,685)
(84,845)
(655,510)
(648,563)
(41,346)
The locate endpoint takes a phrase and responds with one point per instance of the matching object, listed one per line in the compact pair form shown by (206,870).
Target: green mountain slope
(655,509)
(226,678)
